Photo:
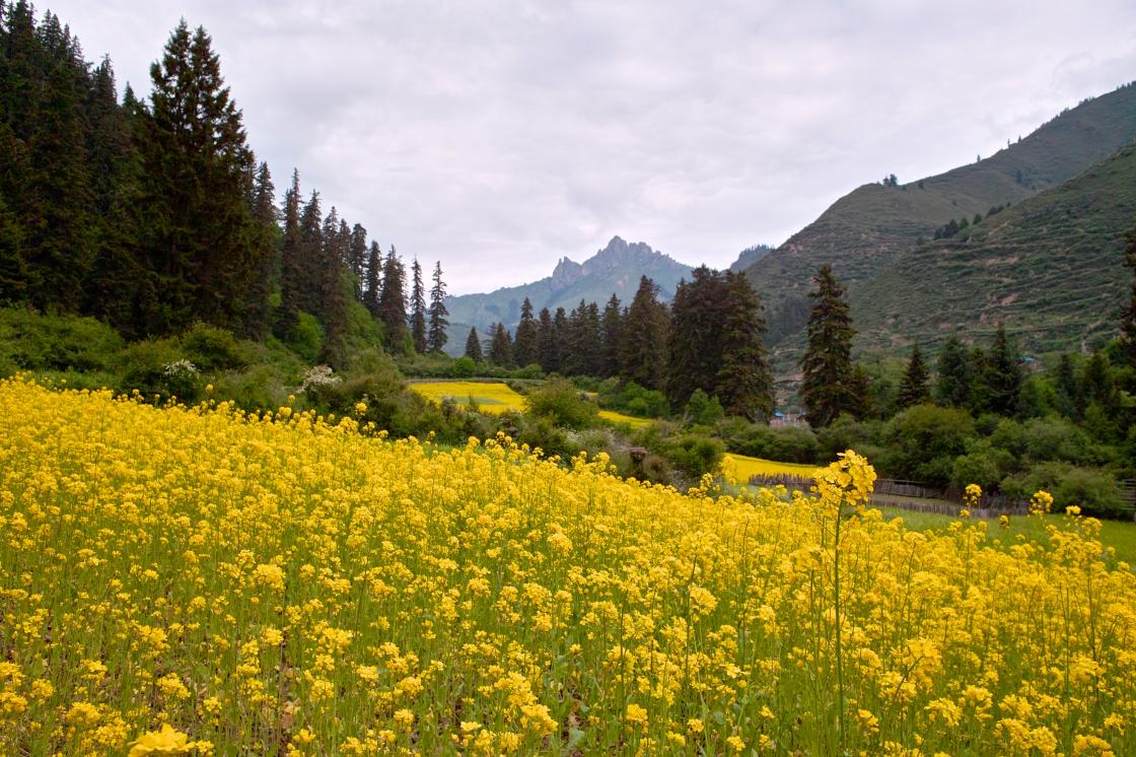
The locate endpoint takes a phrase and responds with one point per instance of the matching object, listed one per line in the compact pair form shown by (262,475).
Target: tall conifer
(418,309)
(826,387)
(526,340)
(436,334)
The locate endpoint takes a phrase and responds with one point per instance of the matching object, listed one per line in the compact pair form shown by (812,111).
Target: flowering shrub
(203,579)
(318,377)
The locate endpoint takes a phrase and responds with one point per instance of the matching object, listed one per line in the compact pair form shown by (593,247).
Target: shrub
(306,339)
(158,368)
(694,454)
(212,349)
(1092,489)
(790,445)
(561,402)
(463,367)
(633,399)
(926,439)
(703,410)
(31,341)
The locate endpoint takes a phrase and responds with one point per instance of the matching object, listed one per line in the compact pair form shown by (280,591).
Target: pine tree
(1069,387)
(473,346)
(826,387)
(292,268)
(310,256)
(197,163)
(264,245)
(436,336)
(744,382)
(357,259)
(501,348)
(526,340)
(418,309)
(612,332)
(1128,318)
(643,355)
(392,302)
(1002,377)
(333,303)
(913,390)
(548,352)
(374,280)
(953,386)
(694,352)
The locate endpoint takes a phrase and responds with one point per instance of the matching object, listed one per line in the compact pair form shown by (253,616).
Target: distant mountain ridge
(869,232)
(616,268)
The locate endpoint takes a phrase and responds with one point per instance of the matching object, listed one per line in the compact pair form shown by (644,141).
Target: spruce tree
(418,309)
(310,257)
(612,332)
(357,259)
(1068,387)
(197,163)
(291,263)
(643,355)
(694,352)
(392,302)
(913,390)
(744,382)
(826,387)
(473,346)
(1002,377)
(264,245)
(953,385)
(526,340)
(1128,318)
(374,280)
(332,311)
(501,348)
(548,353)
(436,336)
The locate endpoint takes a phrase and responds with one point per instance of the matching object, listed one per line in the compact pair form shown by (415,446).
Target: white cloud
(500,136)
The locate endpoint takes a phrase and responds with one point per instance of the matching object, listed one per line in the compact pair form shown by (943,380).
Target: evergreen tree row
(154,215)
(710,339)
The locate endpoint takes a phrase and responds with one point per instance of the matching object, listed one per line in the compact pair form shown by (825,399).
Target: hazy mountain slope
(749,256)
(865,232)
(1051,267)
(616,268)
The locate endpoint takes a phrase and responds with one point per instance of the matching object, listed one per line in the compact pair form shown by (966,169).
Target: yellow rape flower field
(622,419)
(203,580)
(739,469)
(490,397)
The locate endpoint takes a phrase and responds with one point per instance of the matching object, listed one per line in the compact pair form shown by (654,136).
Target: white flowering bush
(318,377)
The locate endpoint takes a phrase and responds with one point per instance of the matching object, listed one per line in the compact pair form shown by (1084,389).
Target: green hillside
(1051,268)
(868,231)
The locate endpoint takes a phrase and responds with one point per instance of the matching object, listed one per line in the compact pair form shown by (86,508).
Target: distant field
(738,469)
(624,420)
(1120,535)
(490,397)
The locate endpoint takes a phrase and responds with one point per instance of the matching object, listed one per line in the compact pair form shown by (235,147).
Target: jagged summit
(613,269)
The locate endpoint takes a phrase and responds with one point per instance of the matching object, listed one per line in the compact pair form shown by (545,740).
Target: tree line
(153,215)
(709,338)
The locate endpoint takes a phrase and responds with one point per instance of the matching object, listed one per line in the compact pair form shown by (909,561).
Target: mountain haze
(871,230)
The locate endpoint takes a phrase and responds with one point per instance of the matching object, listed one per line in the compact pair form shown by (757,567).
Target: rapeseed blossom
(193,580)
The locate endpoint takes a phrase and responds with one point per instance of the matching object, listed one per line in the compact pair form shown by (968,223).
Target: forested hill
(1050,269)
(616,269)
(866,232)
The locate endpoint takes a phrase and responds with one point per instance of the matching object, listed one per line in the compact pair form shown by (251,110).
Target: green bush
(463,367)
(633,399)
(790,444)
(694,454)
(703,410)
(925,441)
(31,341)
(212,349)
(1092,489)
(306,339)
(561,402)
(157,368)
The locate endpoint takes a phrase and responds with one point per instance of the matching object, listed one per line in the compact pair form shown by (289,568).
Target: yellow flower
(165,740)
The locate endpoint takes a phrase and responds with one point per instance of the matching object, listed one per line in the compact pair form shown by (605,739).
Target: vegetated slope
(614,269)
(865,232)
(1051,268)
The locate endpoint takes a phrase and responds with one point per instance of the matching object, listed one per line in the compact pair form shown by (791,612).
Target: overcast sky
(500,136)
